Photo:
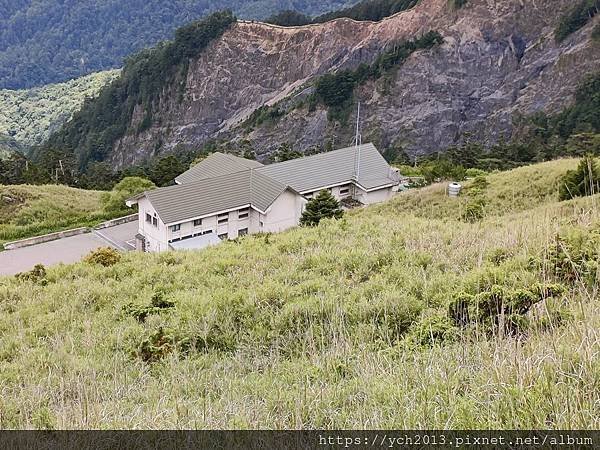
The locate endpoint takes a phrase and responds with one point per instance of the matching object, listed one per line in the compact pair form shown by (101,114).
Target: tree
(164,170)
(99,176)
(113,202)
(285,152)
(323,206)
(583,181)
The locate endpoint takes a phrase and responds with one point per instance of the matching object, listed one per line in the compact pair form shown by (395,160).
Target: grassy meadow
(407,314)
(27,211)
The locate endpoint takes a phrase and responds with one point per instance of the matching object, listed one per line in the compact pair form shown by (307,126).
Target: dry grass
(32,210)
(310,328)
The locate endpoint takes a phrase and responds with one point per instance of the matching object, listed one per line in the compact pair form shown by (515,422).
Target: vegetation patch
(93,130)
(335,90)
(581,182)
(35,275)
(500,309)
(323,206)
(576,18)
(575,255)
(27,211)
(104,256)
(372,10)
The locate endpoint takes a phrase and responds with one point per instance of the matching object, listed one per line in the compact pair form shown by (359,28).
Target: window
(148,218)
(243,213)
(222,218)
(155,221)
(243,232)
(207,231)
(175,228)
(197,222)
(223,236)
(344,190)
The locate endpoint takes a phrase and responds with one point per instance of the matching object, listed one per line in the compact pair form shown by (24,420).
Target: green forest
(89,136)
(29,116)
(49,41)
(373,10)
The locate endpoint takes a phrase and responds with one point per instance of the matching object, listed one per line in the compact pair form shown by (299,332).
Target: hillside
(384,319)
(29,116)
(432,76)
(27,211)
(50,41)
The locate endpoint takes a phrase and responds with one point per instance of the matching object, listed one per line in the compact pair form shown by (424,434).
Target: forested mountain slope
(49,41)
(29,116)
(432,76)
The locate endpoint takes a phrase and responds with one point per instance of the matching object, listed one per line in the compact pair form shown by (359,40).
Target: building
(225,196)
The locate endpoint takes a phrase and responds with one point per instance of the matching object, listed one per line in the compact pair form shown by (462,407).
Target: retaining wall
(45,238)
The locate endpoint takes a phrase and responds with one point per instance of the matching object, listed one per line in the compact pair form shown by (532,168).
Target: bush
(323,206)
(104,256)
(113,202)
(36,275)
(575,255)
(431,329)
(583,181)
(499,308)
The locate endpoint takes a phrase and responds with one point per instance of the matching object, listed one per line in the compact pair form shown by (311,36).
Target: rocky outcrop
(499,60)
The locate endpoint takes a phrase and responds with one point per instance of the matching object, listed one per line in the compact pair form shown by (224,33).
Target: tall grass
(27,211)
(341,326)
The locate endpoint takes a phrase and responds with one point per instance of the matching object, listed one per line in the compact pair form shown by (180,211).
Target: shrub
(583,181)
(472,173)
(113,202)
(158,303)
(474,210)
(432,328)
(104,256)
(499,308)
(575,255)
(323,206)
(157,345)
(35,275)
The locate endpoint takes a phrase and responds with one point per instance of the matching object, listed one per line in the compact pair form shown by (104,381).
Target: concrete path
(67,250)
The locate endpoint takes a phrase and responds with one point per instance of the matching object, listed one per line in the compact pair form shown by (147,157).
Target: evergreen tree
(164,171)
(323,206)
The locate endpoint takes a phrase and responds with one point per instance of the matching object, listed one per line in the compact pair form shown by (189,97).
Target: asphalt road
(67,250)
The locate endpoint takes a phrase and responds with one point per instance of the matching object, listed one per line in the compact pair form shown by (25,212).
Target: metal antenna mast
(358,142)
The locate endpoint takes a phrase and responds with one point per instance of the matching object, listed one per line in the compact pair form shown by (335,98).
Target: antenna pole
(358,141)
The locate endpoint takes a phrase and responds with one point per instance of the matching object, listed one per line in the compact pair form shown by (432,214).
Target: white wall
(368,198)
(284,213)
(210,223)
(156,237)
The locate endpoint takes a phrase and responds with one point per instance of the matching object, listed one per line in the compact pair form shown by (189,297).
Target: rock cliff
(499,60)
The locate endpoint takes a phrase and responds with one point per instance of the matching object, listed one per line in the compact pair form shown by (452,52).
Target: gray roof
(216,165)
(207,196)
(222,182)
(331,168)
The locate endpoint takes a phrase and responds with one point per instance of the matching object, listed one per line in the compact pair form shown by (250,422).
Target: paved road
(67,250)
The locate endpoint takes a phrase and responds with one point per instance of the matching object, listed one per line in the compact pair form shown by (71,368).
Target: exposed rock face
(499,60)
